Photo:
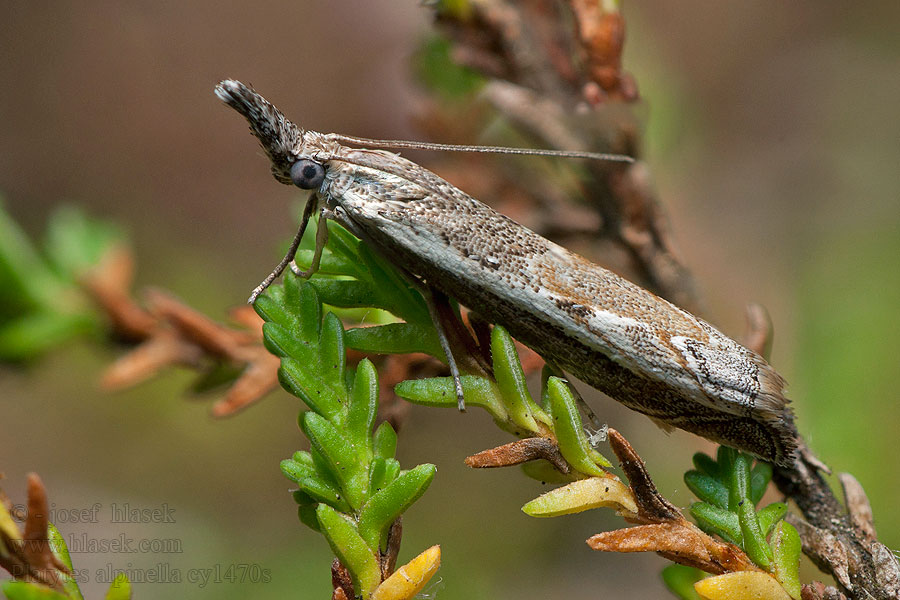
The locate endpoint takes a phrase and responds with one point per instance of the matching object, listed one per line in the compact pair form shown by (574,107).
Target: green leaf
(385,506)
(315,481)
(391,470)
(719,521)
(307,383)
(295,471)
(313,362)
(350,549)
(546,374)
(301,497)
(511,381)
(281,342)
(707,488)
(58,545)
(270,307)
(731,490)
(573,443)
(314,366)
(384,442)
(340,456)
(786,550)
(738,468)
(681,579)
(545,472)
(61,551)
(323,470)
(363,405)
(346,293)
(755,544)
(306,510)
(344,244)
(304,458)
(120,588)
(330,263)
(301,297)
(760,477)
(377,474)
(396,338)
(216,376)
(35,333)
(436,69)
(725,456)
(307,515)
(320,491)
(394,292)
(332,356)
(75,243)
(770,515)
(21,590)
(706,465)
(25,280)
(457,10)
(441,391)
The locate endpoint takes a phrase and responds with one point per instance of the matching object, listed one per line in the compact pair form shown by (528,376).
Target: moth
(625,341)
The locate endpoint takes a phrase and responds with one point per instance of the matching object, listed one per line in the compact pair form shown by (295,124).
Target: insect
(625,341)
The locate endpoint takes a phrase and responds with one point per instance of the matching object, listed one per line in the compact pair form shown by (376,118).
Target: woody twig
(167,333)
(27,555)
(661,527)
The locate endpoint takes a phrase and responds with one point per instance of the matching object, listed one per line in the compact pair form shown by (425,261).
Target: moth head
(282,140)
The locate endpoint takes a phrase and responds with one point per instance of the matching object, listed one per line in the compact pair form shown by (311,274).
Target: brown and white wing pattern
(640,349)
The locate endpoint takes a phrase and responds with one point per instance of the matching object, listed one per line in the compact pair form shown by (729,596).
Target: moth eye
(307,174)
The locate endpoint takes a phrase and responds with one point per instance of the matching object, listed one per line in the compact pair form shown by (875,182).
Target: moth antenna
(483,149)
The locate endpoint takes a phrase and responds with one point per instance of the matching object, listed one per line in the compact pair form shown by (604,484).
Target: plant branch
(28,555)
(841,543)
(661,526)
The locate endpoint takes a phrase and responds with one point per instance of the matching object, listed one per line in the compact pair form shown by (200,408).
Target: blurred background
(773,137)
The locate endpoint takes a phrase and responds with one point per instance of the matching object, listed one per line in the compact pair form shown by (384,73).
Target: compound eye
(307,174)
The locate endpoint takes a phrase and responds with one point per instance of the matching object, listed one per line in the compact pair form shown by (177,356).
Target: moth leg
(321,240)
(433,299)
(307,213)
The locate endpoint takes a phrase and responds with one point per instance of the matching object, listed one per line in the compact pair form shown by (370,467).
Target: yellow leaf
(9,531)
(7,525)
(743,585)
(408,580)
(594,492)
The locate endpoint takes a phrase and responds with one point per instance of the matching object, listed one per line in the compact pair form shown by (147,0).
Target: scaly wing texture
(436,230)
(656,339)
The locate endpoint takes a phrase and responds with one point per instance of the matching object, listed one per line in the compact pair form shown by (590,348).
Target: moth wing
(634,345)
(685,352)
(732,373)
